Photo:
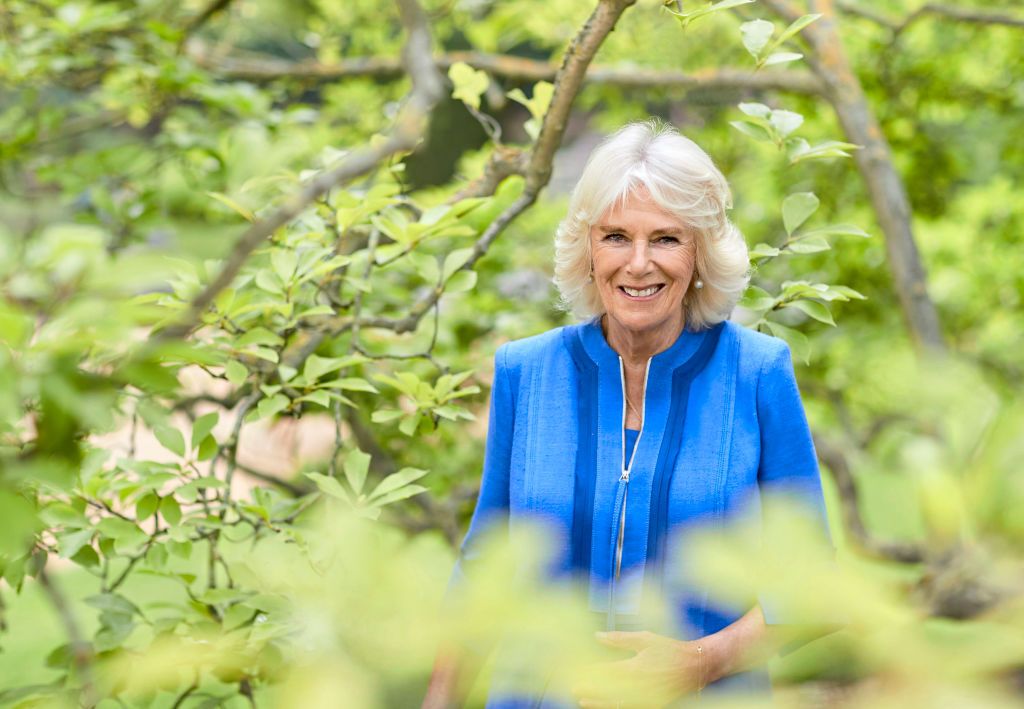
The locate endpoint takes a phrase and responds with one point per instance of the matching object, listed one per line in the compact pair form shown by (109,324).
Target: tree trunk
(888,194)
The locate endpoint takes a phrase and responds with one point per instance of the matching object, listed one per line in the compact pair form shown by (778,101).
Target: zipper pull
(624,477)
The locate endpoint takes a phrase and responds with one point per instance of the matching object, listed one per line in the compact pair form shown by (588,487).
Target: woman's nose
(639,256)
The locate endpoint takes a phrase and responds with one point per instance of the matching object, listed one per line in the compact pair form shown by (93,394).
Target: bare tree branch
(886,188)
(950,12)
(294,489)
(409,127)
(834,458)
(260,68)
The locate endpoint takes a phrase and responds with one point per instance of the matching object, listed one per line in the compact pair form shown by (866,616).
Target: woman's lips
(646,293)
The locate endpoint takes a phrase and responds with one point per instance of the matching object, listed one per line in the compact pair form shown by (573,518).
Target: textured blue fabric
(723,424)
(631,435)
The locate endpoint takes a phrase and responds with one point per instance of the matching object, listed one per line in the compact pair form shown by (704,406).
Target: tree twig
(950,12)
(261,68)
(833,457)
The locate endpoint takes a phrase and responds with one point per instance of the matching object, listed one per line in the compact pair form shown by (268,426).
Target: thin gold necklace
(638,414)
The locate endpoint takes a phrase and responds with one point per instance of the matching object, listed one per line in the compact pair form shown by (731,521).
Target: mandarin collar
(682,350)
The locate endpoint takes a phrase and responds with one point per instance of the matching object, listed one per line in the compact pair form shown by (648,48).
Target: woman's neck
(636,347)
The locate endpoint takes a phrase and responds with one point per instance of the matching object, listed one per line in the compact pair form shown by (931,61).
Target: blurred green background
(138,140)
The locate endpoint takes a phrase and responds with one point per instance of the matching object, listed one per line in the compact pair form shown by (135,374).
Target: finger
(625,640)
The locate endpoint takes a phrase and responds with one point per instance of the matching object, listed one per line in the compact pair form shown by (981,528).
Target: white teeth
(640,293)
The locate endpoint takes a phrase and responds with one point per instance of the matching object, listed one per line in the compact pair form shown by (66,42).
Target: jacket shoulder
(517,353)
(756,349)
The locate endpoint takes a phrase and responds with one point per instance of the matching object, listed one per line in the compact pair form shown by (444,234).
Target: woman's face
(643,262)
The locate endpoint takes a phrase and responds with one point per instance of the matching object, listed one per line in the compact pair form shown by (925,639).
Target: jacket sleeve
(789,482)
(492,505)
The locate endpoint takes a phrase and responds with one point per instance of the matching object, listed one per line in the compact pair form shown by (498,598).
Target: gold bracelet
(700,669)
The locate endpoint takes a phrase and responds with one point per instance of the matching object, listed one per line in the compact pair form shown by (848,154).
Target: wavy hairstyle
(683,181)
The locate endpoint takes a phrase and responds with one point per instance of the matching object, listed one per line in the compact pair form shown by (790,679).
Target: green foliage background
(130,158)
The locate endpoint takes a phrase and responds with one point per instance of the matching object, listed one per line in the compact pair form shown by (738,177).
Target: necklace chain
(631,406)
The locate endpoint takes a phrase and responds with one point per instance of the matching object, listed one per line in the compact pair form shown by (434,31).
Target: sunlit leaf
(796,208)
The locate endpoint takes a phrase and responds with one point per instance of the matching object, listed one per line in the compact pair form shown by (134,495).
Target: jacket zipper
(624,478)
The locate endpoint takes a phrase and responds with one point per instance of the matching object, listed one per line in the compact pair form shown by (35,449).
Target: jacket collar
(601,353)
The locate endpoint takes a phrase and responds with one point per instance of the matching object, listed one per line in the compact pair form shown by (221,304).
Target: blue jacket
(722,424)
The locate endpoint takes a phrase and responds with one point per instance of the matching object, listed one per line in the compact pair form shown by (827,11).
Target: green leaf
(539,102)
(171,439)
(286,373)
(797,341)
(259,336)
(785,122)
(400,494)
(320,397)
(202,427)
(330,486)
(755,35)
(146,506)
(386,415)
(460,282)
(316,366)
(426,266)
(236,372)
(685,18)
(757,299)
(801,150)
(454,261)
(838,229)
(781,58)
(351,384)
(113,603)
(763,250)
(396,480)
(233,205)
(813,308)
(86,557)
(756,110)
(207,448)
(71,542)
(170,510)
(808,245)
(265,353)
(755,131)
(850,293)
(796,208)
(273,405)
(356,465)
(468,83)
(121,530)
(434,215)
(284,262)
(409,424)
(795,27)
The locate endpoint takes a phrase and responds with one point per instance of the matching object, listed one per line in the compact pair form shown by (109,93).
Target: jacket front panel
(715,437)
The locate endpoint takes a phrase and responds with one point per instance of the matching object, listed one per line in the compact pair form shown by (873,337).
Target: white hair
(682,180)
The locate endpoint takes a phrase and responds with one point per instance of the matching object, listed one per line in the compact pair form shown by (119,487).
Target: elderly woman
(654,415)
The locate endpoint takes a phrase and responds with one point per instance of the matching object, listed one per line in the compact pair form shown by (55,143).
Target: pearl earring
(698,284)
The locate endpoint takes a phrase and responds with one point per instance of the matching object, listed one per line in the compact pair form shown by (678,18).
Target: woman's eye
(667,240)
(614,236)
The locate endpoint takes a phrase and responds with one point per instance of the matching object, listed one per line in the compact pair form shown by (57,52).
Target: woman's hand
(662,670)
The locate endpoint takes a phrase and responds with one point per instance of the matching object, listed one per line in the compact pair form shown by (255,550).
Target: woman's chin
(646,322)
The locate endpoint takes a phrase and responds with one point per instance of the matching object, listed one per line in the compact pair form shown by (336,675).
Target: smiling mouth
(642,292)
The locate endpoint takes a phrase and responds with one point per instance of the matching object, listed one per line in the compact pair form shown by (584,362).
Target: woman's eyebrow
(673,230)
